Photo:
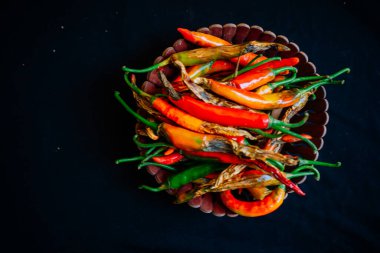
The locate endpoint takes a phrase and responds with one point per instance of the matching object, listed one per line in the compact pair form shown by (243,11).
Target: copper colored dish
(315,126)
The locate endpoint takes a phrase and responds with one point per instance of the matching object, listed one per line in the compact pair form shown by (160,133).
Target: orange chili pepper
(289,139)
(256,101)
(208,40)
(254,208)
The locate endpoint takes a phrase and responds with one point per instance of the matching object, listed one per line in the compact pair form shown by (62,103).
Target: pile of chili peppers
(213,125)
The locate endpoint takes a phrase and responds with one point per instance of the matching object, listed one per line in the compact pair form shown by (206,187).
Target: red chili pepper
(168,159)
(257,77)
(254,208)
(226,116)
(286,62)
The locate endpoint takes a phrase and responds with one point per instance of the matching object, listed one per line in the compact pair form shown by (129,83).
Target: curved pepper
(254,208)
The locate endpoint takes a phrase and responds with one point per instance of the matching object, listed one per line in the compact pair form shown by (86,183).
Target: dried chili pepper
(207,40)
(204,55)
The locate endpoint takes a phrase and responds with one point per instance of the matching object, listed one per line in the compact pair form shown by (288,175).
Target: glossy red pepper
(227,116)
(257,77)
(168,159)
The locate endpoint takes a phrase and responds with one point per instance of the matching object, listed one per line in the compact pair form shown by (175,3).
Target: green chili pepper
(187,176)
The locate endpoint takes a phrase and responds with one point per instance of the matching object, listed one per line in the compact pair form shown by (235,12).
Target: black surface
(62,130)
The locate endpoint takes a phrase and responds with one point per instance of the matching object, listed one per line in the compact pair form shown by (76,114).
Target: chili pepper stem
(135,114)
(148,69)
(276,164)
(164,166)
(135,88)
(131,159)
(157,152)
(275,122)
(317,85)
(153,189)
(287,131)
(340,72)
(149,145)
(315,172)
(311,162)
(265,134)
(301,174)
(248,68)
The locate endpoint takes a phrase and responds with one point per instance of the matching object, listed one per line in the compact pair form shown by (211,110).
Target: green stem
(150,150)
(153,189)
(276,164)
(311,162)
(164,166)
(308,79)
(248,68)
(275,122)
(315,172)
(274,85)
(317,85)
(148,69)
(340,72)
(150,124)
(135,88)
(301,174)
(130,159)
(280,70)
(157,152)
(265,134)
(287,131)
(149,145)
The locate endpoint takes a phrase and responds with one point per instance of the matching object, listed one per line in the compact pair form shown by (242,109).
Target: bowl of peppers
(230,119)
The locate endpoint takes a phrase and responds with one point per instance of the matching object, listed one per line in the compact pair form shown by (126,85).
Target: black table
(61,62)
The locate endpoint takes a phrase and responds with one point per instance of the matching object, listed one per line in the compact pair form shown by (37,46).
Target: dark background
(62,129)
